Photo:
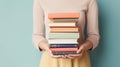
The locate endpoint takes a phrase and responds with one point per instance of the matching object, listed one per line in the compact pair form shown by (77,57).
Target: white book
(62,24)
(62,41)
(65,20)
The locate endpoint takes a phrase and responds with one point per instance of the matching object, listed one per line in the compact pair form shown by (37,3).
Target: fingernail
(77,51)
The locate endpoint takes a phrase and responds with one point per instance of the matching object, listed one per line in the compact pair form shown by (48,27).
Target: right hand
(54,56)
(46,48)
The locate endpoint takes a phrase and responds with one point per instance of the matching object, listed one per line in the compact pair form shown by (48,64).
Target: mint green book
(62,41)
(63,35)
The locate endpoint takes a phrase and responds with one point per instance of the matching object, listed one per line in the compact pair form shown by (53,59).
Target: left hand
(82,49)
(80,52)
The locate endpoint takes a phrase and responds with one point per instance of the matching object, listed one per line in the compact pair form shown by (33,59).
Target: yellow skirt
(48,61)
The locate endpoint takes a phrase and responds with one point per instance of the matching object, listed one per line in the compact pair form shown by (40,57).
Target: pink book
(63,15)
(63,49)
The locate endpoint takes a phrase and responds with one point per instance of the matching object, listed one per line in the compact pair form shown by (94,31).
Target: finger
(81,49)
(54,56)
(57,56)
(64,56)
(72,57)
(51,54)
(75,55)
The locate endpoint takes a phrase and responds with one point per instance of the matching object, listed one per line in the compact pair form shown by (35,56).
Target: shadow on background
(98,54)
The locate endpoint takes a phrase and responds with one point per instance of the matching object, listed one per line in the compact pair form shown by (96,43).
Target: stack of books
(63,33)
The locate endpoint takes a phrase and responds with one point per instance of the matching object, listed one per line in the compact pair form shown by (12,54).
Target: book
(64,53)
(63,35)
(63,45)
(62,24)
(63,15)
(63,49)
(66,20)
(64,29)
(62,41)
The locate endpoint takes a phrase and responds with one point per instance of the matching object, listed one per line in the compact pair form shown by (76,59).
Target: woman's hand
(80,52)
(54,56)
(45,47)
(82,48)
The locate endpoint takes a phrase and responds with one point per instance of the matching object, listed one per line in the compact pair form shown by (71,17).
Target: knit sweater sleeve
(38,24)
(92,23)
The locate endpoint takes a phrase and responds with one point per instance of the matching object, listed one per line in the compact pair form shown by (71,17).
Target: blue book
(63,45)
(64,53)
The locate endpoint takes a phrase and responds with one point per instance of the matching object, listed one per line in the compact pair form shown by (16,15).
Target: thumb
(79,50)
(50,52)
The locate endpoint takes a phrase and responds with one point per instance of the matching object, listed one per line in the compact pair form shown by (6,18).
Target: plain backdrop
(17,50)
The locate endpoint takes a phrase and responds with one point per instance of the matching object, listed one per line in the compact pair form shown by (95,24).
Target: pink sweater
(88,10)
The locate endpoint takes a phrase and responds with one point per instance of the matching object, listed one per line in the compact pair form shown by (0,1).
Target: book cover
(63,49)
(63,15)
(64,53)
(62,24)
(63,45)
(62,41)
(66,20)
(63,35)
(65,30)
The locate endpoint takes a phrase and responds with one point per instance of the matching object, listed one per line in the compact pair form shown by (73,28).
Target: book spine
(62,41)
(64,53)
(63,45)
(63,15)
(63,49)
(64,20)
(65,30)
(63,35)
(62,24)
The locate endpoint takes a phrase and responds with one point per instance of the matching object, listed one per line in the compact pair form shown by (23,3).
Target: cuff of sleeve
(36,40)
(94,42)
(39,46)
(40,49)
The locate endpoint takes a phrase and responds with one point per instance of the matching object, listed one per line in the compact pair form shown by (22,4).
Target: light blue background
(17,50)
